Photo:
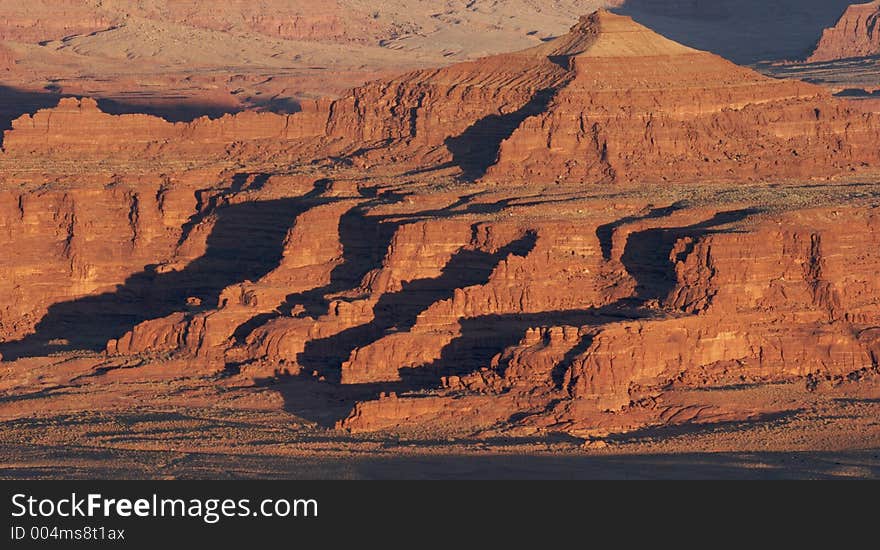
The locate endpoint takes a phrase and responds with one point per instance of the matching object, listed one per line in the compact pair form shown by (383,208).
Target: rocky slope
(51,19)
(856,34)
(180,61)
(782,310)
(602,233)
(559,112)
(695,114)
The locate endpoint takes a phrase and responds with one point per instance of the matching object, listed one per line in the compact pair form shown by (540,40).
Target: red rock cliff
(856,34)
(643,108)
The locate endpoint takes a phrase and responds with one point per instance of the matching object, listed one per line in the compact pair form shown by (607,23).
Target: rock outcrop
(675,113)
(442,250)
(62,244)
(787,298)
(77,127)
(7,58)
(42,20)
(856,34)
(562,112)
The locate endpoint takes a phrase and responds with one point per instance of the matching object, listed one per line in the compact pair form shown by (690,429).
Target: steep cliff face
(643,108)
(758,297)
(310,252)
(781,298)
(609,101)
(856,34)
(433,251)
(60,244)
(77,127)
(562,112)
(50,20)
(459,113)
(455,114)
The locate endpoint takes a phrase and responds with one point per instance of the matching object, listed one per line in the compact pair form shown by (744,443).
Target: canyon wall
(783,297)
(77,127)
(559,112)
(50,19)
(680,114)
(552,239)
(856,34)
(61,244)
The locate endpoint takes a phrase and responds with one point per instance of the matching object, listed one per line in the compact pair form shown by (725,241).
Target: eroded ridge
(856,34)
(603,234)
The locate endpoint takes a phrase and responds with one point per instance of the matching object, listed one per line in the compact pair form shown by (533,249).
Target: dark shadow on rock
(483,337)
(398,311)
(365,240)
(476,149)
(480,338)
(245,243)
(858,93)
(328,402)
(562,367)
(275,104)
(605,233)
(248,181)
(322,402)
(646,256)
(209,200)
(187,110)
(183,111)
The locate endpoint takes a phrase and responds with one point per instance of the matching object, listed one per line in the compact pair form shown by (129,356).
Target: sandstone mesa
(856,34)
(586,236)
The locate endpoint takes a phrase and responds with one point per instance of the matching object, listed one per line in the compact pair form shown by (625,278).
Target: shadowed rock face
(856,34)
(675,113)
(563,111)
(574,237)
(245,243)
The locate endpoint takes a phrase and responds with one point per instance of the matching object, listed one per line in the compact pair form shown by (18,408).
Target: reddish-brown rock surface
(180,60)
(560,112)
(606,233)
(857,34)
(50,19)
(677,114)
(7,58)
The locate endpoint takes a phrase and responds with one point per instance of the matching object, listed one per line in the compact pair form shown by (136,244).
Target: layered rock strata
(856,34)
(512,291)
(675,113)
